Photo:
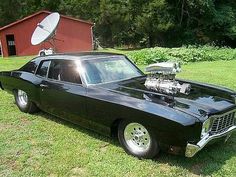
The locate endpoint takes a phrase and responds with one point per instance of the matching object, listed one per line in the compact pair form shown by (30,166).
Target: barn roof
(40,12)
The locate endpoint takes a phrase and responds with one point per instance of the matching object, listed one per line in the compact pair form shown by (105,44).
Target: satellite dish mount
(46,30)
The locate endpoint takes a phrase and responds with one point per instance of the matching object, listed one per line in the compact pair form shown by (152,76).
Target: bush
(182,55)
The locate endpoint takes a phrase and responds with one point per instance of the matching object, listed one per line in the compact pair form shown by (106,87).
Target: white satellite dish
(46,29)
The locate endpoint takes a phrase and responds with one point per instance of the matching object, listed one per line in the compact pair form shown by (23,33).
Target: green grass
(43,145)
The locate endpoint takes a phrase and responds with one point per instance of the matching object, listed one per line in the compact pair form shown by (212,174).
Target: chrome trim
(192,149)
(222,122)
(137,137)
(220,115)
(22,97)
(234,96)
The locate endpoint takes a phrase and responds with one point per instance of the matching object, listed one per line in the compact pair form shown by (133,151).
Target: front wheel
(23,102)
(137,140)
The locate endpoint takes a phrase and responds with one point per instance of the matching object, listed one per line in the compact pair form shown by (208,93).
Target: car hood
(201,102)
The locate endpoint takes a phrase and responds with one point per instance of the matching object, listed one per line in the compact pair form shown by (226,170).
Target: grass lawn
(43,145)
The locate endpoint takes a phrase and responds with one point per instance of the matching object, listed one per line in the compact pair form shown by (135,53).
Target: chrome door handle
(43,85)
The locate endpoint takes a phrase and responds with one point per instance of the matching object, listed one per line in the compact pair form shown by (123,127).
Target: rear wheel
(137,140)
(23,102)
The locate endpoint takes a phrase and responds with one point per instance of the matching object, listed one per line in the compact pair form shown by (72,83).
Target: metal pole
(93,44)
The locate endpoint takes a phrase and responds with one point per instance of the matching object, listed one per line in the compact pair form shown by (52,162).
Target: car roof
(80,56)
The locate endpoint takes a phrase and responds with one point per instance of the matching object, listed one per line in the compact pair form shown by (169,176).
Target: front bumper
(192,149)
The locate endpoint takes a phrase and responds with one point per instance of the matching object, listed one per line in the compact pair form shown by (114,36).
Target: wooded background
(141,23)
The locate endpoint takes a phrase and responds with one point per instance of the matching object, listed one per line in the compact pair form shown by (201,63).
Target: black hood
(201,102)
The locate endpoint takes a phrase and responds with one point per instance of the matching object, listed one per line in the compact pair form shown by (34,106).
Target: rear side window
(64,70)
(30,66)
(43,68)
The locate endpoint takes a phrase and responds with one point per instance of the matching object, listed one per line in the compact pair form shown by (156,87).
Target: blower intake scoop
(164,68)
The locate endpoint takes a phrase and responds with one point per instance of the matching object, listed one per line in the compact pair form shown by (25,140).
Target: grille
(222,122)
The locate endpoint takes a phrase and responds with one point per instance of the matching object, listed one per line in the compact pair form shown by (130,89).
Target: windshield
(109,69)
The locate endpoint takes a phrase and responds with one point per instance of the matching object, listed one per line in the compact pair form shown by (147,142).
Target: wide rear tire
(23,102)
(137,140)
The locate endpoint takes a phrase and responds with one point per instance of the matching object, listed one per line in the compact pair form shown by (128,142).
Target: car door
(62,92)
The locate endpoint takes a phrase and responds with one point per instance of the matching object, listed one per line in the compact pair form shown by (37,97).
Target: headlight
(206,127)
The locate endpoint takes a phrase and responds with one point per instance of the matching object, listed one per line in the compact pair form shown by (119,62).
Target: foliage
(182,54)
(43,145)
(142,23)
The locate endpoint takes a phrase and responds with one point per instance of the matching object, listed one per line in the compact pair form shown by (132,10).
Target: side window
(43,68)
(63,70)
(30,66)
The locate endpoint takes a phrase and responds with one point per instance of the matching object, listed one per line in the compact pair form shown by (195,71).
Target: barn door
(11,44)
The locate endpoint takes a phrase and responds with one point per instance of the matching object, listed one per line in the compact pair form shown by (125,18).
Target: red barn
(74,35)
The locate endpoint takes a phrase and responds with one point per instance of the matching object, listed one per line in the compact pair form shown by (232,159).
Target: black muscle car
(107,93)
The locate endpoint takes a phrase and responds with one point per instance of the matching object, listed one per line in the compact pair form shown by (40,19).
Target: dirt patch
(197,169)
(164,167)
(104,147)
(10,163)
(6,126)
(130,174)
(79,171)
(24,121)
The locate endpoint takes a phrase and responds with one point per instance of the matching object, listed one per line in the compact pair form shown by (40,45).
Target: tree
(9,11)
(154,21)
(142,23)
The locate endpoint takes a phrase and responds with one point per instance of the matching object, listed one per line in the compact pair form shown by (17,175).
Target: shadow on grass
(206,162)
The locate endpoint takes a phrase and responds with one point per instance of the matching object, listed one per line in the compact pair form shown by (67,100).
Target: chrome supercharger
(161,78)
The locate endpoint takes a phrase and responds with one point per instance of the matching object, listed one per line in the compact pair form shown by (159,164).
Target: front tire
(137,140)
(23,102)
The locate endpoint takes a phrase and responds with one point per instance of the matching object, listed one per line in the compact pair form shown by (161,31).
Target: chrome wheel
(137,137)
(23,98)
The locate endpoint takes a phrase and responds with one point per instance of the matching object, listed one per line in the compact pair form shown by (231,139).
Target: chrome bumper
(192,149)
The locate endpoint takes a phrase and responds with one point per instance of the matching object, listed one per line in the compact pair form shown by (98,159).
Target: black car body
(174,123)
